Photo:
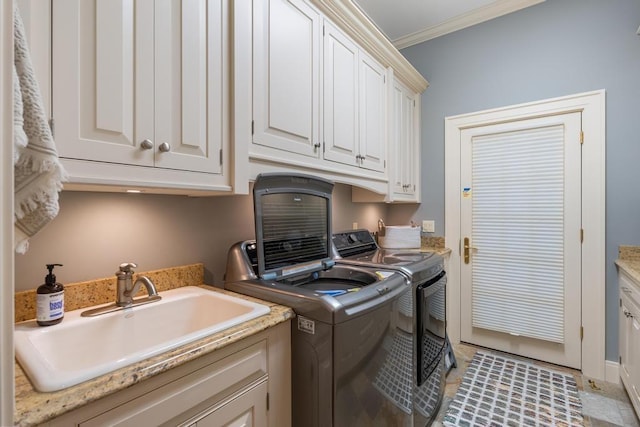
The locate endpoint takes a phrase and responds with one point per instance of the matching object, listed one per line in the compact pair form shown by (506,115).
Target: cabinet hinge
(221,156)
(267,401)
(581,333)
(620,302)
(581,137)
(385,164)
(620,359)
(52,127)
(323,30)
(581,235)
(252,127)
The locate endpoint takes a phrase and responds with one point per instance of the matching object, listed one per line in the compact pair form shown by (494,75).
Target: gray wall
(556,48)
(95,232)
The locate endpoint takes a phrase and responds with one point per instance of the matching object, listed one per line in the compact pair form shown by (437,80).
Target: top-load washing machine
(347,316)
(424,309)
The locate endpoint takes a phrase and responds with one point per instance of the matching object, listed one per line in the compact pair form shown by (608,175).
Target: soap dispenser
(50,300)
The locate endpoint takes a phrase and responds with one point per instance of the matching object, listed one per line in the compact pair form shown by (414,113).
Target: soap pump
(50,300)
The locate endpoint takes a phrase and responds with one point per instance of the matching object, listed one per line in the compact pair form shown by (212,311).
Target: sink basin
(81,348)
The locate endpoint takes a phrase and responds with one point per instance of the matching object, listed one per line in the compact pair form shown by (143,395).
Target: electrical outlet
(354,226)
(428,226)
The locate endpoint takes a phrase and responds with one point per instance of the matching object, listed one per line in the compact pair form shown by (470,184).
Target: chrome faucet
(127,288)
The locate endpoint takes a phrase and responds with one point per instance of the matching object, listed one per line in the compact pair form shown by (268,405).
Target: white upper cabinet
(190,83)
(341,130)
(404,148)
(103,97)
(142,92)
(404,135)
(318,99)
(142,83)
(373,114)
(286,76)
(354,103)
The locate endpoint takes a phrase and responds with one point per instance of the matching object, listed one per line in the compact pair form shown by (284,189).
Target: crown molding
(482,14)
(346,15)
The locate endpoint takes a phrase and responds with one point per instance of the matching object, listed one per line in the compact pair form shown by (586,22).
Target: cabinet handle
(626,290)
(164,147)
(147,144)
(316,145)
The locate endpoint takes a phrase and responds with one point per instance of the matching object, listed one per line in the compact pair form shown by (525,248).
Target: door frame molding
(592,106)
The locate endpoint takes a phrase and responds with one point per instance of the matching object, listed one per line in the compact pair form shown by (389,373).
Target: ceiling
(409,22)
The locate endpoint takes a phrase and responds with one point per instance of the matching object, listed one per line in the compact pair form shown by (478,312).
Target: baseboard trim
(612,372)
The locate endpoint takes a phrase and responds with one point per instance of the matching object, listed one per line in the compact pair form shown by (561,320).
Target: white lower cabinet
(630,337)
(248,410)
(230,387)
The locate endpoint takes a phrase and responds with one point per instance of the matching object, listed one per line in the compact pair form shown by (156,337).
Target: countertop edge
(34,408)
(631,267)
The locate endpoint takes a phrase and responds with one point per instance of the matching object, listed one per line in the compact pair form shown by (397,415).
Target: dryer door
(431,325)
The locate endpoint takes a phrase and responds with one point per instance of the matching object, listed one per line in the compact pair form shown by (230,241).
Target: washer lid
(293,224)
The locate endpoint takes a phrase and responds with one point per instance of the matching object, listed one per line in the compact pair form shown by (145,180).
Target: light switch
(428,226)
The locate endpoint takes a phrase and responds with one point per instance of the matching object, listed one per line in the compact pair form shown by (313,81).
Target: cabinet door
(626,324)
(403,146)
(633,363)
(286,76)
(397,142)
(191,84)
(103,79)
(409,144)
(629,340)
(340,97)
(372,114)
(247,410)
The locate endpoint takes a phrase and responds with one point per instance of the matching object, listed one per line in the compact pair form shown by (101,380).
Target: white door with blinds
(521,237)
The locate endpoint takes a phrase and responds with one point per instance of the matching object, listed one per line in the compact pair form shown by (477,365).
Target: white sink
(81,348)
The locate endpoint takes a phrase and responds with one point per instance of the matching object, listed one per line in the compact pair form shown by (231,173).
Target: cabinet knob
(147,144)
(165,147)
(316,145)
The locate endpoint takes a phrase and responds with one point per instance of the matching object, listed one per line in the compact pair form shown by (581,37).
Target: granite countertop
(34,408)
(629,260)
(440,251)
(434,244)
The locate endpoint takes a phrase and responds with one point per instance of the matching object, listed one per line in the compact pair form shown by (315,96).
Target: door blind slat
(518,233)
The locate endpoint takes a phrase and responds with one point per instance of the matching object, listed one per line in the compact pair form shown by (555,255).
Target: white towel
(38,173)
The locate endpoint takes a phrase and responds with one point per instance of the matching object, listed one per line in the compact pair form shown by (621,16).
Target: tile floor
(604,404)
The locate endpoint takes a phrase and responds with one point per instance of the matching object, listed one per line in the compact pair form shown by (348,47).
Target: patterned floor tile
(619,411)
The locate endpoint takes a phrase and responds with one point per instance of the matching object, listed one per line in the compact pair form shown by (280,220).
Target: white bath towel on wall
(38,172)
